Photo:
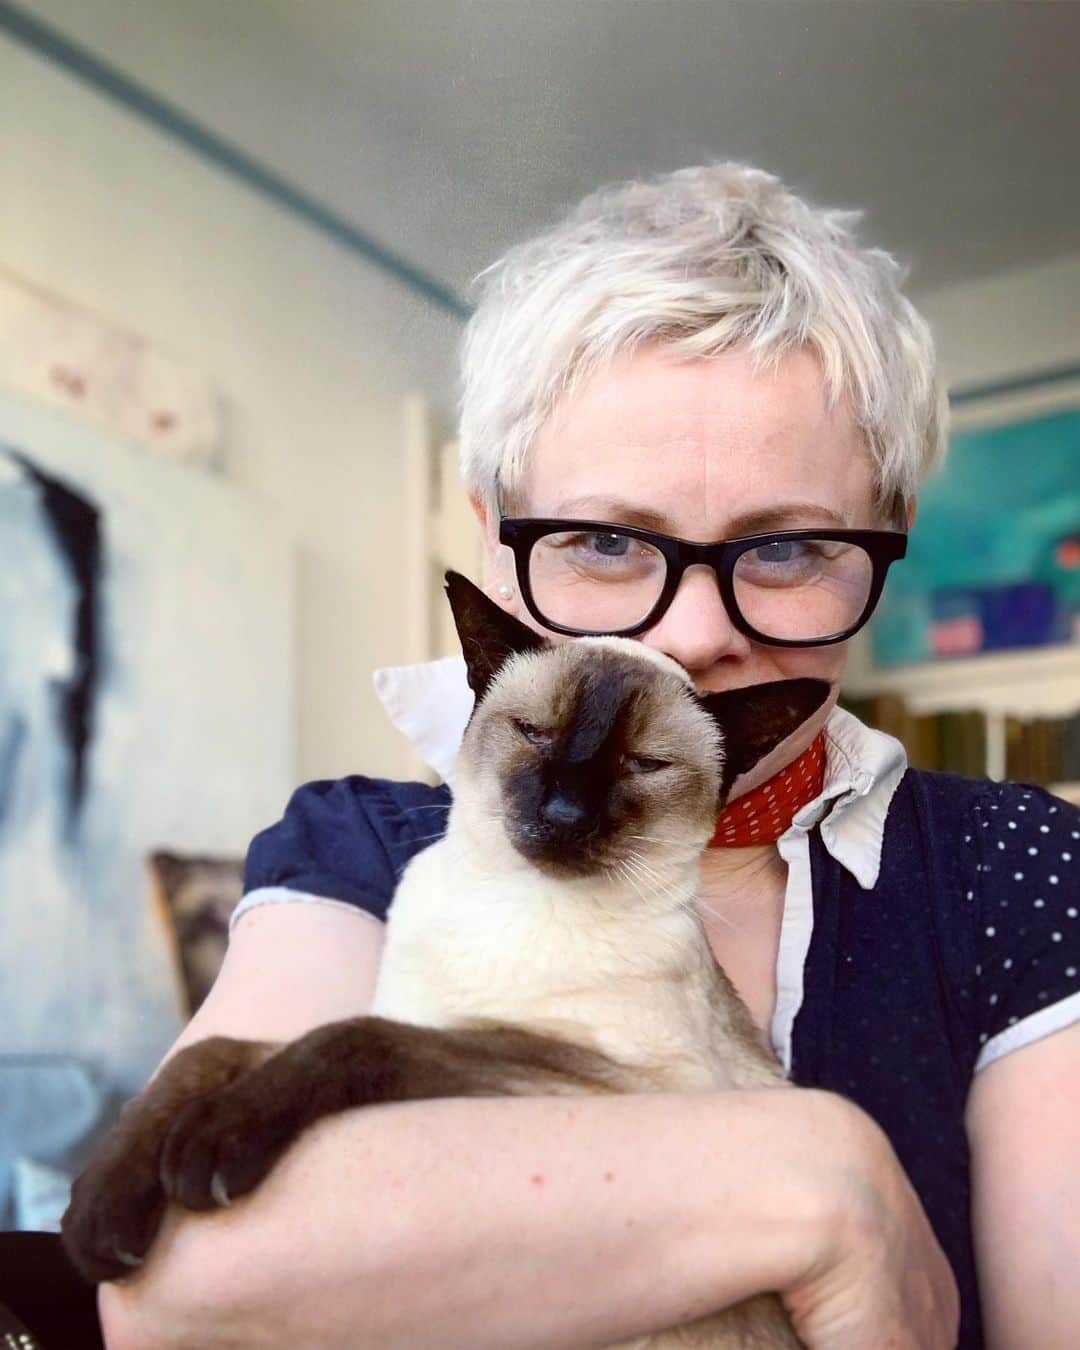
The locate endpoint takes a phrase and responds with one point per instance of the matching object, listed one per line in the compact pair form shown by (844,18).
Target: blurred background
(236,248)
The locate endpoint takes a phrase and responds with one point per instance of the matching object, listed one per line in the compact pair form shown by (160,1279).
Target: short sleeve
(1025,881)
(346,840)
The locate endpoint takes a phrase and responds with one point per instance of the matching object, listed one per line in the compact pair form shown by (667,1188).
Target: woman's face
(704,450)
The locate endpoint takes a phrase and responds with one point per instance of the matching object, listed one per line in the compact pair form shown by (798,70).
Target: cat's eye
(533,734)
(645,763)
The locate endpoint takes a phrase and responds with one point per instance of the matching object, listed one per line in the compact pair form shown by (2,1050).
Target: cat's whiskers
(693,906)
(647,875)
(492,819)
(623,870)
(655,838)
(699,905)
(666,887)
(658,887)
(631,869)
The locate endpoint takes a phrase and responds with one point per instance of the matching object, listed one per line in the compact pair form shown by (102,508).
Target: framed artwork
(993,562)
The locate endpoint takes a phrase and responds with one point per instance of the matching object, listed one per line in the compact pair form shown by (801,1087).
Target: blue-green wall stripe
(107,80)
(72,57)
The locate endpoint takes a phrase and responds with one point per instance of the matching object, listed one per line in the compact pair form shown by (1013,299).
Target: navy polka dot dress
(1025,844)
(966,948)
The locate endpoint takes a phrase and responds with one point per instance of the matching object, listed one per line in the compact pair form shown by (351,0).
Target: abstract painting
(145,703)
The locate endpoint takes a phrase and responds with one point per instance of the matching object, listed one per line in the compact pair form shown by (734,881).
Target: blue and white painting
(145,702)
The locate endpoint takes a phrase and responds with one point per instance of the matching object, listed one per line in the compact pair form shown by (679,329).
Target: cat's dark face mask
(596,751)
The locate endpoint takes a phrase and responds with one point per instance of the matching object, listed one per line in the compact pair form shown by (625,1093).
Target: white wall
(1004,325)
(313,350)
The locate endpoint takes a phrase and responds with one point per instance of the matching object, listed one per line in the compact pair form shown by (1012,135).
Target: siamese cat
(547,944)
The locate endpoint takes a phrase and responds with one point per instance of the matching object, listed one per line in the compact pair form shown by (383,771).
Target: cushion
(195,896)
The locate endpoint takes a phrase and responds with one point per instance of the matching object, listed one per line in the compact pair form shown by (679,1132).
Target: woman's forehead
(695,447)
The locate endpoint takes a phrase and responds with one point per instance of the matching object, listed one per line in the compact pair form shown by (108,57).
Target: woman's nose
(696,630)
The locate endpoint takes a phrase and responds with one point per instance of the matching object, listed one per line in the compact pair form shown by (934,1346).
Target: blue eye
(610,545)
(780,551)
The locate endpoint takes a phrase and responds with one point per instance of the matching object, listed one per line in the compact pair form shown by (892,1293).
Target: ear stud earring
(505,592)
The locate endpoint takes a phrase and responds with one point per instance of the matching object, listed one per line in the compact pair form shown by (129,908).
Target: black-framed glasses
(789,588)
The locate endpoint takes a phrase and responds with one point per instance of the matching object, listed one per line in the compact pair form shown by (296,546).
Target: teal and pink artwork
(993,561)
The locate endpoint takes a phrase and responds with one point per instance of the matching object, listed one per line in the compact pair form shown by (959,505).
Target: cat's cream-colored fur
(618,961)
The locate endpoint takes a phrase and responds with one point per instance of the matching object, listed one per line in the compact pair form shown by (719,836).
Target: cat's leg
(221,1146)
(118,1201)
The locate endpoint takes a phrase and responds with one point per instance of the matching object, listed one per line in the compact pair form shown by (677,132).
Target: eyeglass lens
(788,589)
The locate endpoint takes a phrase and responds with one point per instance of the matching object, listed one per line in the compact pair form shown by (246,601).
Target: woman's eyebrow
(617,511)
(790,516)
(783,516)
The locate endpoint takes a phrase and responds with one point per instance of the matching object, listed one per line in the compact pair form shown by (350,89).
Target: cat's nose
(564,813)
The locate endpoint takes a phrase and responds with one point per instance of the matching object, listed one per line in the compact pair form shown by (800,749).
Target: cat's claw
(218,1191)
(219,1148)
(110,1222)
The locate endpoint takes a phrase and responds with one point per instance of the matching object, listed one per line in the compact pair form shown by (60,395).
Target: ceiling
(447,129)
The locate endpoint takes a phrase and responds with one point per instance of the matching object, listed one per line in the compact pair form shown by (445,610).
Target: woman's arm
(290,967)
(1024,1124)
(526,1222)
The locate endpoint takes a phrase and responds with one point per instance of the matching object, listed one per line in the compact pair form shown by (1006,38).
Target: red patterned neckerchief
(763,814)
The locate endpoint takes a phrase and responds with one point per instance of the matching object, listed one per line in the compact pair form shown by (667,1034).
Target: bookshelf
(1006,691)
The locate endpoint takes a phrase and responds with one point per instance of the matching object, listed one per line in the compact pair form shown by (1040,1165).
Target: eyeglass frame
(520,533)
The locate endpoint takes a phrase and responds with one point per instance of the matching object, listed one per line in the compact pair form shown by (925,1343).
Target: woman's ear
(489,525)
(499,581)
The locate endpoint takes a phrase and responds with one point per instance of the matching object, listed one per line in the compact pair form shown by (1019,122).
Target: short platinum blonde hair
(701,260)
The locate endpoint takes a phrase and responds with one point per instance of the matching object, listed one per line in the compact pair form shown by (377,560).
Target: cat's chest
(645,992)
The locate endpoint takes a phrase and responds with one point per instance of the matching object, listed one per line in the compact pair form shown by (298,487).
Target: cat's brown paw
(114,1213)
(221,1146)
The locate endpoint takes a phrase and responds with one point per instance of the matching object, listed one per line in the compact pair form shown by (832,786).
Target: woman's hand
(880,1278)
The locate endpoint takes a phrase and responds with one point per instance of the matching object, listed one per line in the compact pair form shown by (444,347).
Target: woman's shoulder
(347,839)
(999,836)
(993,805)
(1012,854)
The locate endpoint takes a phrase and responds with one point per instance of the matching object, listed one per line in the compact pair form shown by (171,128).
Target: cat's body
(474,936)
(548,943)
(615,958)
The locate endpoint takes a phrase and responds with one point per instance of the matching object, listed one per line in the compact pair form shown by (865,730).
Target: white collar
(431,703)
(863,769)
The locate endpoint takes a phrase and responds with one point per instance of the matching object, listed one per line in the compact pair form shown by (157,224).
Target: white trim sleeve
(281,895)
(1042,1023)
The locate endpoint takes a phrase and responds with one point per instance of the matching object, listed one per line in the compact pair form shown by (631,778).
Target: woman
(702,358)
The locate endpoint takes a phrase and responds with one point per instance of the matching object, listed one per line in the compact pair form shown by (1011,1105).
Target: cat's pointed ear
(754,721)
(489,636)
